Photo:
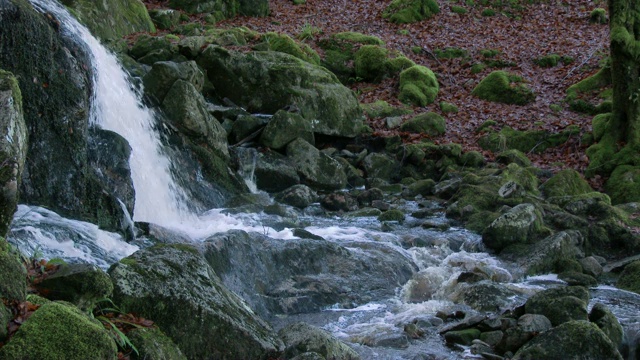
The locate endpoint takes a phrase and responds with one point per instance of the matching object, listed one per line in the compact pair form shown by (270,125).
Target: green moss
(358,38)
(410,11)
(594,83)
(285,44)
(566,182)
(60,331)
(418,86)
(513,156)
(526,141)
(369,62)
(13,275)
(500,86)
(398,64)
(152,344)
(478,68)
(450,53)
(340,52)
(488,12)
(624,184)
(426,123)
(458,10)
(547,61)
(446,107)
(489,53)
(391,215)
(382,109)
(9,83)
(598,16)
(630,277)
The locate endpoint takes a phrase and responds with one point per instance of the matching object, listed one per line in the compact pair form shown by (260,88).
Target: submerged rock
(305,275)
(174,286)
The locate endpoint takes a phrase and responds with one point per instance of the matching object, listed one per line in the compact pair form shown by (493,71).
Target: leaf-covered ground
(519,32)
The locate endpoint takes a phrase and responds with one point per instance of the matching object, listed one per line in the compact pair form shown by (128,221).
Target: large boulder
(171,284)
(566,182)
(163,74)
(602,316)
(571,340)
(501,86)
(112,19)
(305,275)
(266,82)
(520,225)
(13,147)
(285,127)
(560,304)
(315,167)
(153,344)
(273,172)
(58,330)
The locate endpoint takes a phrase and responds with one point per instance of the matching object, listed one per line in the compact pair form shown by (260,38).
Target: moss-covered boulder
(624,184)
(500,86)
(391,215)
(418,86)
(513,156)
(630,278)
(153,344)
(302,338)
(112,19)
(186,109)
(163,74)
(58,330)
(410,11)
(268,81)
(602,316)
(285,127)
(165,19)
(80,284)
(340,50)
(571,340)
(560,304)
(526,141)
(520,225)
(171,283)
(285,44)
(13,284)
(369,62)
(586,87)
(545,255)
(148,49)
(316,168)
(273,172)
(13,147)
(382,109)
(381,166)
(428,123)
(566,182)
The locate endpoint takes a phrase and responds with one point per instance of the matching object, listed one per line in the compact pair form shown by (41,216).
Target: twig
(583,62)
(425,50)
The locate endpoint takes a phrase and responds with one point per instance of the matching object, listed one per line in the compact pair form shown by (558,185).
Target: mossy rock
(369,62)
(13,275)
(472,159)
(527,141)
(410,11)
(602,316)
(630,278)
(285,127)
(566,182)
(397,64)
(598,16)
(147,44)
(58,330)
(446,107)
(571,340)
(153,344)
(624,184)
(450,53)
(340,49)
(391,215)
(284,43)
(521,224)
(112,19)
(462,337)
(418,86)
(552,60)
(429,123)
(513,156)
(165,19)
(382,109)
(592,84)
(500,86)
(560,304)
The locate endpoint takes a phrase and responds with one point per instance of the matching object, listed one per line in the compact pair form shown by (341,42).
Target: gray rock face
(299,196)
(571,340)
(13,147)
(316,168)
(304,275)
(275,173)
(266,82)
(301,338)
(518,226)
(174,285)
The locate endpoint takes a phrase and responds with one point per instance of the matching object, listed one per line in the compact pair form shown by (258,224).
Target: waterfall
(117,106)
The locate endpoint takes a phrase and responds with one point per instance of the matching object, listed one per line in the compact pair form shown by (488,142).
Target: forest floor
(519,32)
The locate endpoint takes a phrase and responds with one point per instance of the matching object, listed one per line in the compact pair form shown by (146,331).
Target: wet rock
(392,215)
(462,337)
(163,75)
(246,128)
(528,327)
(591,266)
(571,340)
(273,172)
(382,166)
(630,277)
(367,197)
(543,256)
(299,196)
(486,295)
(300,338)
(305,275)
(577,278)
(153,344)
(602,316)
(492,338)
(339,201)
(170,283)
